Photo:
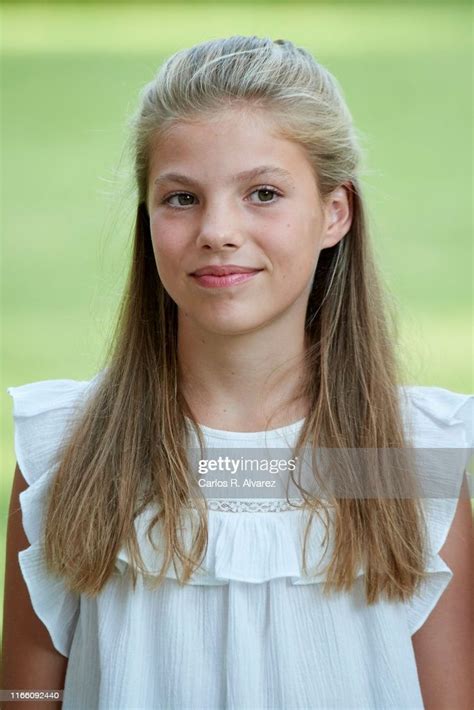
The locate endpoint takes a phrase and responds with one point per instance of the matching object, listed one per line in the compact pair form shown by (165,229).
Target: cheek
(294,247)
(296,257)
(166,246)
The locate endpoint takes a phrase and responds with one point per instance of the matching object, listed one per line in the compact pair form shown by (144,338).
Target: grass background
(70,77)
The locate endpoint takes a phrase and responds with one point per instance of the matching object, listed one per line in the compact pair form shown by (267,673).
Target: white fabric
(250,630)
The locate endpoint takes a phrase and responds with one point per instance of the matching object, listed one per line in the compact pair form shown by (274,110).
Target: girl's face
(216,212)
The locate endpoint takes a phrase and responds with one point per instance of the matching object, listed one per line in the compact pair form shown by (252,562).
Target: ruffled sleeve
(43,412)
(441,423)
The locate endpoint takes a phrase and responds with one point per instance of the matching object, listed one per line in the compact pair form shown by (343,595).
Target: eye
(178,194)
(264,189)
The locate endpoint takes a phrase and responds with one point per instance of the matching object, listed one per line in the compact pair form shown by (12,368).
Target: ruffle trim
(53,603)
(248,547)
(439,418)
(43,412)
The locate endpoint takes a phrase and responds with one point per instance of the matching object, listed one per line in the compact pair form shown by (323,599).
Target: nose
(218,228)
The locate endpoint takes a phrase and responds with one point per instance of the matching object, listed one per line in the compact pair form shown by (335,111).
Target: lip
(223,270)
(232,279)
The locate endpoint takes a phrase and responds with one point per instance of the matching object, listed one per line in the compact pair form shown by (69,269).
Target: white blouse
(250,630)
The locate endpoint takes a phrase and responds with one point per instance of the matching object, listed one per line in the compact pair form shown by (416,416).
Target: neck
(243,382)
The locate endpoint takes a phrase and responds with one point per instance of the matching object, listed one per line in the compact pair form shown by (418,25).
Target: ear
(338,215)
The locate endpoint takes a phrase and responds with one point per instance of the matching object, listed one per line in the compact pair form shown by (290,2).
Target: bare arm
(30,660)
(443,645)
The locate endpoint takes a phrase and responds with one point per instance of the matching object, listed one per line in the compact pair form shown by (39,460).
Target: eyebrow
(244,175)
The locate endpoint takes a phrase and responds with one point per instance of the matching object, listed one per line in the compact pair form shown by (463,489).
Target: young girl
(253,319)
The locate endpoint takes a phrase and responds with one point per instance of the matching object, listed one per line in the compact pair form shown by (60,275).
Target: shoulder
(43,412)
(429,409)
(43,395)
(439,425)
(440,429)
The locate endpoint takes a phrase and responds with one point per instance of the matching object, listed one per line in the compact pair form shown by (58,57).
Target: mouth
(226,280)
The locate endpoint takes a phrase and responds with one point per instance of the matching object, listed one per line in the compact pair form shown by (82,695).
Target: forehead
(228,144)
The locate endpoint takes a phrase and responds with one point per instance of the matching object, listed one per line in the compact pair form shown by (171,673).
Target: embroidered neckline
(250,505)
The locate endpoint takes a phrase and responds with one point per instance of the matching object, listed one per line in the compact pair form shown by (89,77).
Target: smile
(212,281)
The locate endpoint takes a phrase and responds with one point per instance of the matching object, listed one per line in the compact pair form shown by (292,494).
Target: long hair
(128,448)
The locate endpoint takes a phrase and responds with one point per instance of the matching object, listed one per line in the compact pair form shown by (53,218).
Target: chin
(230,325)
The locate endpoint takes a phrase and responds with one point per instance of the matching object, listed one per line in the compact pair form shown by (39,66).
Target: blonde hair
(129,447)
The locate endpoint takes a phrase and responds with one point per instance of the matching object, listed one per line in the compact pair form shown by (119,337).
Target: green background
(70,78)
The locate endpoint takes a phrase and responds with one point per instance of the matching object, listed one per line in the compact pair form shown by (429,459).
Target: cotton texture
(250,630)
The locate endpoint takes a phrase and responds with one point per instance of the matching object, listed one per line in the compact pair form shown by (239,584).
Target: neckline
(254,435)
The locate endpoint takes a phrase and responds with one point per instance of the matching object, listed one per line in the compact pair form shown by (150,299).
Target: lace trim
(276,505)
